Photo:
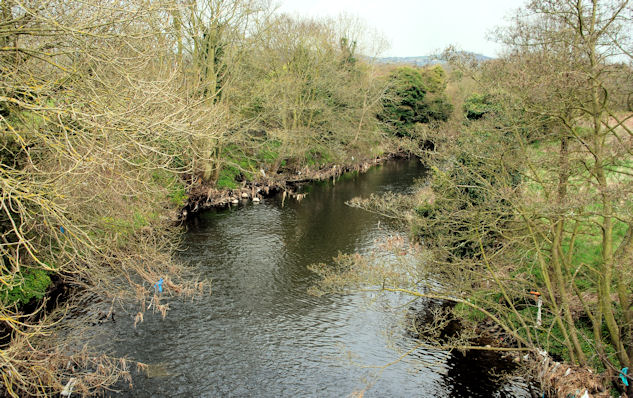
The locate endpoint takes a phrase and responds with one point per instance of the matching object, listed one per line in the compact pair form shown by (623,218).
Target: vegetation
(415,96)
(111,111)
(92,150)
(31,285)
(532,195)
(565,233)
(477,106)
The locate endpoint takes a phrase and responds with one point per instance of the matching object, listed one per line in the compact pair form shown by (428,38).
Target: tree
(556,77)
(415,96)
(214,39)
(314,103)
(535,198)
(580,42)
(92,150)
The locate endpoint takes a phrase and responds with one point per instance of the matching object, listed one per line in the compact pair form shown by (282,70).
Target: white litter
(68,389)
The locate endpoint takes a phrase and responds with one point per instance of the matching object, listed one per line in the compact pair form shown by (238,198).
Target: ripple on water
(261,334)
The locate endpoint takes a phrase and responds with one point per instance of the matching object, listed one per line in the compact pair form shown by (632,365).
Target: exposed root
(203,196)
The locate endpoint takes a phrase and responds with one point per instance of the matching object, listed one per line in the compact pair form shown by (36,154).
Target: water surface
(261,334)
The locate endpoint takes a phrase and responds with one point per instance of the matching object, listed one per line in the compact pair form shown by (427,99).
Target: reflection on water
(261,334)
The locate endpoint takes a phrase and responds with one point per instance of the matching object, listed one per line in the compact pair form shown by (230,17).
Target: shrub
(34,283)
(415,96)
(477,106)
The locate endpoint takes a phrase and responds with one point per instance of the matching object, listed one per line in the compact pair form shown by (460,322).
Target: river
(261,334)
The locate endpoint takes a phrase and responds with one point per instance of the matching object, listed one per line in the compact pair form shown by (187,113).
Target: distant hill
(424,60)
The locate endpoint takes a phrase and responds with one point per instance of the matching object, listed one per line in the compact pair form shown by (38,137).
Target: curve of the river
(261,334)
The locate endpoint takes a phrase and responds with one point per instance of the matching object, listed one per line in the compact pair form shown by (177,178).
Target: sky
(419,27)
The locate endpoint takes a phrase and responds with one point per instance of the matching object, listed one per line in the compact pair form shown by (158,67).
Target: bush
(440,109)
(467,184)
(477,106)
(414,97)
(33,285)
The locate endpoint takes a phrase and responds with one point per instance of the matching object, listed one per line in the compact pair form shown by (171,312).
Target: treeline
(526,223)
(111,111)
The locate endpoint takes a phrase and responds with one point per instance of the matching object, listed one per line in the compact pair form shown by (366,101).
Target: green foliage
(32,285)
(463,311)
(348,52)
(311,94)
(404,106)
(178,196)
(476,106)
(434,79)
(318,157)
(270,151)
(125,225)
(238,165)
(473,172)
(467,184)
(415,96)
(439,108)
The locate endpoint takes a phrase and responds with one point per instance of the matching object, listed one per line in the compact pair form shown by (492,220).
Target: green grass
(270,151)
(227,178)
(318,157)
(123,227)
(176,190)
(463,311)
(178,196)
(238,165)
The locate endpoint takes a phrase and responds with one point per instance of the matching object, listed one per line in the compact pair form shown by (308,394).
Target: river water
(261,334)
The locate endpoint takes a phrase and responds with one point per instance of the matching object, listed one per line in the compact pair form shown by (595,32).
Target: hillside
(424,59)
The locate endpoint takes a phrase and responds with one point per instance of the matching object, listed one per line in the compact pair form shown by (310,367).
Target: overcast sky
(419,27)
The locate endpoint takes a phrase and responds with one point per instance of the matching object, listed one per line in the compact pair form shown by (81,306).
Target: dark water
(260,333)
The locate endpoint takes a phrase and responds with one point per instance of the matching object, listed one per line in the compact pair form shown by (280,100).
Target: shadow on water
(261,334)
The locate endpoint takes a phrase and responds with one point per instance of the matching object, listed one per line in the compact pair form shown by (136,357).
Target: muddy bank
(205,196)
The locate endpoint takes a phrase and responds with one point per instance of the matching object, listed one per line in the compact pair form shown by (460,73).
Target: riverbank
(206,196)
(261,333)
(501,354)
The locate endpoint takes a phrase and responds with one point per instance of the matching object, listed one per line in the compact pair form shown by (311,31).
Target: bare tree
(534,197)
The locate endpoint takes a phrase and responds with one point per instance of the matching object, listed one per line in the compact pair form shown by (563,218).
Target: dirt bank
(204,196)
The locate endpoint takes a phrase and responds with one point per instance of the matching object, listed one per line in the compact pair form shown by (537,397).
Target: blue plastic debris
(623,376)
(63,231)
(158,286)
